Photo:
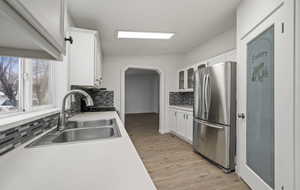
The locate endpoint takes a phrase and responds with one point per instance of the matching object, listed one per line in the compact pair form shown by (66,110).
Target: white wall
(113,65)
(297,95)
(167,64)
(251,13)
(141,93)
(216,46)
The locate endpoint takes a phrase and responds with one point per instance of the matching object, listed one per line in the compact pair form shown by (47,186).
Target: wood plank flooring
(171,162)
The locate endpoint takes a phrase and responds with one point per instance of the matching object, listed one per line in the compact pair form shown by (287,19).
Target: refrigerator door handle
(208,94)
(205,96)
(209,124)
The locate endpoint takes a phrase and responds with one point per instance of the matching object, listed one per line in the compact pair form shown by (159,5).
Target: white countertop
(188,108)
(107,164)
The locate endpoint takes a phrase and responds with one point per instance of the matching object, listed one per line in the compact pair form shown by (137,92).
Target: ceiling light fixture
(144,35)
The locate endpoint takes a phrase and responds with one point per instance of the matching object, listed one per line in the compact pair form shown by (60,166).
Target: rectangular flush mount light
(144,35)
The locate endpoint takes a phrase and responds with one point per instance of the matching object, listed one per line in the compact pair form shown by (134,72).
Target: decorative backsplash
(181,98)
(12,138)
(102,98)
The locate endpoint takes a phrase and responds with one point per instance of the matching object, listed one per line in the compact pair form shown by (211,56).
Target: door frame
(162,127)
(284,157)
(297,95)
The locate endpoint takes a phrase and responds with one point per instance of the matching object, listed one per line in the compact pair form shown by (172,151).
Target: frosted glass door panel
(181,80)
(190,74)
(260,106)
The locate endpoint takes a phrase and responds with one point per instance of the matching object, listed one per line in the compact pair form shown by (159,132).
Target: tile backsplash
(12,138)
(181,98)
(102,98)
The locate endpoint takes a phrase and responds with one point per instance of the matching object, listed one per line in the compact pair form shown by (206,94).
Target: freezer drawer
(213,142)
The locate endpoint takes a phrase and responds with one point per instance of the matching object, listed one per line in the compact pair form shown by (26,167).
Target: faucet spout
(87,98)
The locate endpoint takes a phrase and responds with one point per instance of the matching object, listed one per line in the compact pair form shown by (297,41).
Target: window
(40,83)
(25,84)
(9,84)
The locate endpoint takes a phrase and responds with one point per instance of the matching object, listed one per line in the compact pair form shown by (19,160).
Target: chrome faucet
(88,100)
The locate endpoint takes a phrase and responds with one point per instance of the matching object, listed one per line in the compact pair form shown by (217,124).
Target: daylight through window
(25,84)
(9,84)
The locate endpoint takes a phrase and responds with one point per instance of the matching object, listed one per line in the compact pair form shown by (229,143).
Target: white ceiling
(193,21)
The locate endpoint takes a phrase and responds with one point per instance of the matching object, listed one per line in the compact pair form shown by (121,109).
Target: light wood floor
(171,162)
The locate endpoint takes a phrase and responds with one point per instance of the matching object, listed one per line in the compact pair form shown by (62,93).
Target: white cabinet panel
(181,124)
(190,78)
(189,127)
(185,79)
(28,28)
(172,121)
(181,80)
(50,16)
(85,58)
(181,121)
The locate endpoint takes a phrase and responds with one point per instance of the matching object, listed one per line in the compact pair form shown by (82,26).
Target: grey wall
(142,93)
(213,47)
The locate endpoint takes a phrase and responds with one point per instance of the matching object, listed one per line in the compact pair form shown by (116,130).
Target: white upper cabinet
(50,19)
(32,28)
(181,79)
(190,78)
(85,58)
(186,79)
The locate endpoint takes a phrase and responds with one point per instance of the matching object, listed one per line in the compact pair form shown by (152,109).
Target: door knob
(241,116)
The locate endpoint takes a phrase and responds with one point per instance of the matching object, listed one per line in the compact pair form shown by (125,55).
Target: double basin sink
(77,131)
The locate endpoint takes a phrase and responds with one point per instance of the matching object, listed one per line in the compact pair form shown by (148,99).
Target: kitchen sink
(84,134)
(78,131)
(86,124)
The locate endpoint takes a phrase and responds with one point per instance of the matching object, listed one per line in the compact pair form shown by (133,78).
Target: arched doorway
(161,95)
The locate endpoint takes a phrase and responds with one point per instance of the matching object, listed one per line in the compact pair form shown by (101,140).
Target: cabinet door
(20,36)
(98,63)
(181,124)
(190,78)
(181,80)
(201,65)
(189,126)
(46,16)
(172,121)
(82,58)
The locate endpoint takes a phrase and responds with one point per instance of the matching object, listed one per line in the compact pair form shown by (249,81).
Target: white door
(265,104)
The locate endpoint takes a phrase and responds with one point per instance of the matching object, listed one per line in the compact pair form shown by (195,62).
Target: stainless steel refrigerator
(214,126)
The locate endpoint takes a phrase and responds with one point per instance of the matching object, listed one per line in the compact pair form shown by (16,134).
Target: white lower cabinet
(172,120)
(181,124)
(189,124)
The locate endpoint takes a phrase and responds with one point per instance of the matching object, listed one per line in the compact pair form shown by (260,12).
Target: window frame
(25,89)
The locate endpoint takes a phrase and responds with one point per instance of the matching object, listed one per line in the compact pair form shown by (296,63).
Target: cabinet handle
(241,116)
(70,39)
